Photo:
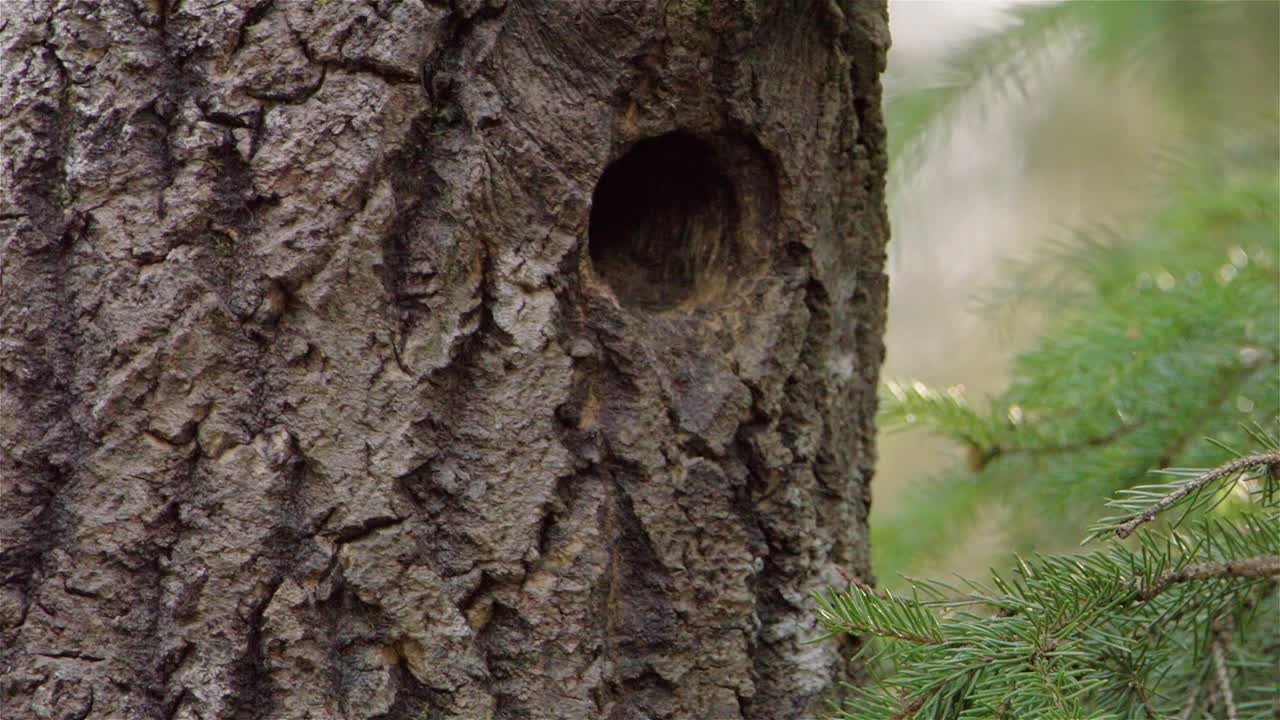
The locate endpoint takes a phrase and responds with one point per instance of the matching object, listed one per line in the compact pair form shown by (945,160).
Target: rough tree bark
(405,359)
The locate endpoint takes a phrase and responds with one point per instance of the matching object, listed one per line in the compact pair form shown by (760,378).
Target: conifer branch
(1159,345)
(1270,460)
(1224,682)
(1220,396)
(1254,567)
(909,711)
(1189,705)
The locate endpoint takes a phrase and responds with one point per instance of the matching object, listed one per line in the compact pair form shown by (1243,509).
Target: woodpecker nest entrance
(663,219)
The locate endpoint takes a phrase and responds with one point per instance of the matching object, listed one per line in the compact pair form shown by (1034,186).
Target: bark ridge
(405,359)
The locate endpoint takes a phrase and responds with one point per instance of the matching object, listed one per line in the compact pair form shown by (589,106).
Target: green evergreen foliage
(1156,383)
(1188,50)
(1176,623)
(1156,335)
(1154,343)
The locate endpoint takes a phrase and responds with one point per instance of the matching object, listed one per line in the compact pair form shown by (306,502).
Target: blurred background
(1083,266)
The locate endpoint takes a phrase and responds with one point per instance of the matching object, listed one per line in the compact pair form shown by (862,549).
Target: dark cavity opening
(662,219)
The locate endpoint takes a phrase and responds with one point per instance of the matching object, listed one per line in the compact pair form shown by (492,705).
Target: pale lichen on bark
(314,401)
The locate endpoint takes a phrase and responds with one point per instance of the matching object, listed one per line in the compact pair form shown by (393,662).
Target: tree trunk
(480,359)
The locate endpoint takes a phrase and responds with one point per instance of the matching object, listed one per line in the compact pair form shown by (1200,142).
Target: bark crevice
(341,377)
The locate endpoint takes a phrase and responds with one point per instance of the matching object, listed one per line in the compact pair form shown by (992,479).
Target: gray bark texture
(423,359)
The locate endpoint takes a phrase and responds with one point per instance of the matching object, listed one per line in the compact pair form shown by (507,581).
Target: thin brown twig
(1254,567)
(1189,705)
(909,710)
(861,584)
(982,456)
(1258,566)
(1224,682)
(1144,697)
(1269,460)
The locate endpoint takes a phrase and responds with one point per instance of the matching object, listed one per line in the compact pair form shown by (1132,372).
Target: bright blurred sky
(922,29)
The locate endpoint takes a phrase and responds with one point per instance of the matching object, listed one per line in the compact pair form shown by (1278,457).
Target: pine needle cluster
(1156,333)
(1180,622)
(1152,343)
(1156,336)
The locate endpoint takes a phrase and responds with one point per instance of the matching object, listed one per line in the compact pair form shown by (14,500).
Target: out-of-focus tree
(1157,331)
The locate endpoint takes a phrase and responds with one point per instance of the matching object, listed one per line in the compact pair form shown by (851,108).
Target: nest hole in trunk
(662,224)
